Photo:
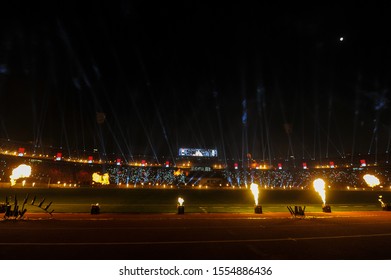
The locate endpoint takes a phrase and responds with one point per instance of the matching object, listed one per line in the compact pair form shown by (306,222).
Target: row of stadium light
(90,160)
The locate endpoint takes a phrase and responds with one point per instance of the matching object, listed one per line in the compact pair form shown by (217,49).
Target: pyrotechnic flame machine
(180,206)
(326,208)
(258,209)
(95,209)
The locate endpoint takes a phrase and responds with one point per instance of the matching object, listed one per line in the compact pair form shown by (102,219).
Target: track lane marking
(294,239)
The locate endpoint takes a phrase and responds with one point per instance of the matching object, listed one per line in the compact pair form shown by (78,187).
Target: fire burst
(22,171)
(255,191)
(381,201)
(102,179)
(371,180)
(178,172)
(319,186)
(180,201)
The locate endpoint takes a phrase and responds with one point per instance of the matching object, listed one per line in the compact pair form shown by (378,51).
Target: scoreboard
(195,152)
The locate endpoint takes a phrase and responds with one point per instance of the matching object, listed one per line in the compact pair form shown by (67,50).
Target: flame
(102,179)
(255,191)
(178,172)
(319,186)
(371,180)
(381,201)
(180,201)
(22,171)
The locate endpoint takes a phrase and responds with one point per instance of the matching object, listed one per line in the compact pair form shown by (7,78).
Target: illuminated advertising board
(195,152)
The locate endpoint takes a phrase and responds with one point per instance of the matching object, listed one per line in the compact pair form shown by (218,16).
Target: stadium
(130,130)
(50,170)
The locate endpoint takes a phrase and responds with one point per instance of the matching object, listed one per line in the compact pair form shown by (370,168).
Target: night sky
(272,79)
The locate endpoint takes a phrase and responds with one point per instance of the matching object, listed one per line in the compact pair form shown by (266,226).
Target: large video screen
(193,152)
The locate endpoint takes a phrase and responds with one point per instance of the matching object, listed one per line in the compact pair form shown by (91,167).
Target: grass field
(120,200)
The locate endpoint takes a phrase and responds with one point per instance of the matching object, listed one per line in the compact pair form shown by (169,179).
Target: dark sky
(262,77)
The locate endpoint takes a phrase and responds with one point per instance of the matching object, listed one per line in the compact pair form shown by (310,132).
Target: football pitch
(148,200)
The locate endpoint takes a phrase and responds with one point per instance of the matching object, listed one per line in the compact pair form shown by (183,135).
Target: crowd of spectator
(54,172)
(154,176)
(295,178)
